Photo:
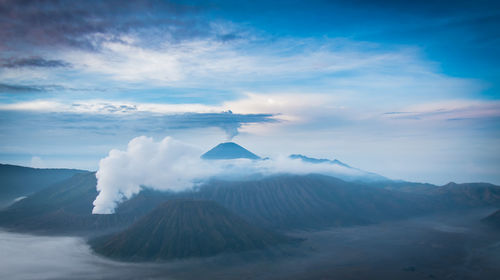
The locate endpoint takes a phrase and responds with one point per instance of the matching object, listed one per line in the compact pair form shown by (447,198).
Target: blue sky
(407,90)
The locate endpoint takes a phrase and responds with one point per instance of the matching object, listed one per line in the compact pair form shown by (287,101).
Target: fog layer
(449,246)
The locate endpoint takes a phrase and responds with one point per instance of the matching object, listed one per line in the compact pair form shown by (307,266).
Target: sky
(406,89)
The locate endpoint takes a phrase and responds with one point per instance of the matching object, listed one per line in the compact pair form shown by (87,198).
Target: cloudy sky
(407,90)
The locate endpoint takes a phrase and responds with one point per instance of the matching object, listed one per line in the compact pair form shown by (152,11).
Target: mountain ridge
(281,202)
(18,181)
(360,175)
(317,160)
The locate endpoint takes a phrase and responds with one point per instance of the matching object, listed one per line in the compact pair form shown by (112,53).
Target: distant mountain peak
(359,174)
(317,160)
(229,150)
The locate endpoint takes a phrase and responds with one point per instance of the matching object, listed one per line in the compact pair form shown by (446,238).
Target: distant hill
(451,194)
(471,194)
(184,229)
(229,150)
(66,207)
(403,186)
(493,219)
(345,171)
(17,181)
(318,160)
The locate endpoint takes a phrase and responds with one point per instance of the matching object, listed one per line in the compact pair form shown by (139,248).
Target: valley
(451,245)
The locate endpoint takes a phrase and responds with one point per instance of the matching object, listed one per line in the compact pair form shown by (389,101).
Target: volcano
(229,150)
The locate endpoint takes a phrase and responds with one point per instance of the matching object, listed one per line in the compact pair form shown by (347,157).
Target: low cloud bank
(175,166)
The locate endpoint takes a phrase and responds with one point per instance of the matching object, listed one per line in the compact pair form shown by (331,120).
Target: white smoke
(37,162)
(172,165)
(164,165)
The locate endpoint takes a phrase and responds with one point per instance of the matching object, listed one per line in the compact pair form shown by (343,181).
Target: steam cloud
(164,165)
(175,166)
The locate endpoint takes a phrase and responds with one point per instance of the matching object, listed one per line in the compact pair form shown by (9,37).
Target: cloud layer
(84,25)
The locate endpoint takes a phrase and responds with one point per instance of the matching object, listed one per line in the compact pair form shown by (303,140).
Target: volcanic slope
(185,228)
(493,219)
(313,201)
(66,207)
(18,181)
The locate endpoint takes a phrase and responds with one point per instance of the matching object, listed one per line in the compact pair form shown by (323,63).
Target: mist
(172,165)
(453,245)
(40,257)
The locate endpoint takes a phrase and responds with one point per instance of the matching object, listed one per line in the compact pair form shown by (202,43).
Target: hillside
(18,181)
(493,219)
(184,229)
(471,194)
(66,207)
(345,172)
(312,201)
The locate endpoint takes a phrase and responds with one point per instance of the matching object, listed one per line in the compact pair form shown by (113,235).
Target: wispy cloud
(32,62)
(10,88)
(449,110)
(338,67)
(212,63)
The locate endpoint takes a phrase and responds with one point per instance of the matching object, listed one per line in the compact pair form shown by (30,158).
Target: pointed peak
(229,150)
(228,144)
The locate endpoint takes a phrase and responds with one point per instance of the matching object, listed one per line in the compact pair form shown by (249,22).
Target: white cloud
(37,162)
(214,64)
(166,165)
(289,106)
(99,106)
(34,105)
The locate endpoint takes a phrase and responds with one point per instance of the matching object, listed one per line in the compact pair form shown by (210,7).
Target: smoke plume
(164,165)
